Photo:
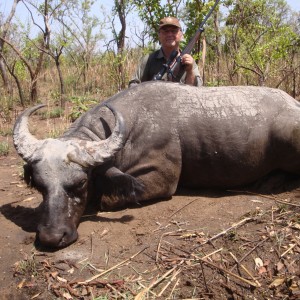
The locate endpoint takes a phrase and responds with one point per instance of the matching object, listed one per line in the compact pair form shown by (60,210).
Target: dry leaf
(279,266)
(216,257)
(35,296)
(20,285)
(258,263)
(61,279)
(28,199)
(84,292)
(71,271)
(67,296)
(277,282)
(295,226)
(256,201)
(262,270)
(104,232)
(54,274)
(188,235)
(294,287)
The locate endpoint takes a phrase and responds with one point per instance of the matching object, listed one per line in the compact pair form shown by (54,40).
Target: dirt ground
(198,245)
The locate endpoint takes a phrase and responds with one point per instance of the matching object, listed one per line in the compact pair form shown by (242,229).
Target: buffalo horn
(25,143)
(93,153)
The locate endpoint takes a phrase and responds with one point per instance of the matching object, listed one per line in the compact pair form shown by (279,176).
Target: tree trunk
(120,6)
(61,83)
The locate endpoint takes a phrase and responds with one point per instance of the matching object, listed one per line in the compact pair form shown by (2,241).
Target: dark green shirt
(152,63)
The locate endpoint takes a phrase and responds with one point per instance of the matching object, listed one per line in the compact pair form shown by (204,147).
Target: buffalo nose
(56,237)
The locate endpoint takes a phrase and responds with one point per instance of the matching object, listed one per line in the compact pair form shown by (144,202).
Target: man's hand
(188,62)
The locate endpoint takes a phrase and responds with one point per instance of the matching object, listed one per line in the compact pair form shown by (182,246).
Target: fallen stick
(236,225)
(287,203)
(169,282)
(229,273)
(141,294)
(251,250)
(265,196)
(212,253)
(111,269)
(245,269)
(288,250)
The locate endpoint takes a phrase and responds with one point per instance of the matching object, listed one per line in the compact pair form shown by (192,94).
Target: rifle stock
(174,67)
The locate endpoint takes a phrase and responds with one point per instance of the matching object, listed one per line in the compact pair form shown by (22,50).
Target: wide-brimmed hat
(169,21)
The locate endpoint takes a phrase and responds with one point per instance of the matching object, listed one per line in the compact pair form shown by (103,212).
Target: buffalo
(146,141)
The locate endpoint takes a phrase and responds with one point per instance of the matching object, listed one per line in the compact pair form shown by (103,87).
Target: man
(169,35)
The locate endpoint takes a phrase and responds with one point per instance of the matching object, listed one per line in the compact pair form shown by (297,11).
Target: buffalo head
(59,169)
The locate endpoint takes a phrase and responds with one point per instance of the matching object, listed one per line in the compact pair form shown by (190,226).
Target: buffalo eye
(76,188)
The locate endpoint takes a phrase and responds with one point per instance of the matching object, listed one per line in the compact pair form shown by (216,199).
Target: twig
(169,282)
(229,273)
(181,208)
(204,278)
(143,286)
(288,250)
(212,253)
(141,294)
(236,225)
(245,269)
(112,268)
(232,290)
(160,240)
(252,193)
(116,291)
(287,203)
(176,283)
(174,213)
(265,196)
(251,250)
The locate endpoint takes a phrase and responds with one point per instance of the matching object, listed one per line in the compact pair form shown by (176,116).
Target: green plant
(80,105)
(4,148)
(27,267)
(54,133)
(51,114)
(6,131)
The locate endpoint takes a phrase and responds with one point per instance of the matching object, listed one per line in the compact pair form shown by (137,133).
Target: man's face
(170,36)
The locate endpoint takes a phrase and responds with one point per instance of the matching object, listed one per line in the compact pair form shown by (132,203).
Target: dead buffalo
(145,141)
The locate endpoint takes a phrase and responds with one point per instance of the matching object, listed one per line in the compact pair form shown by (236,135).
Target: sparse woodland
(76,51)
(71,54)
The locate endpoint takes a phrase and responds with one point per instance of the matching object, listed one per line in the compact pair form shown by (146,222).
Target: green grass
(6,131)
(4,148)
(56,112)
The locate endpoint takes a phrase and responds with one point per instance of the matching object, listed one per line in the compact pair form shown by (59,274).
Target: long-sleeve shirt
(152,63)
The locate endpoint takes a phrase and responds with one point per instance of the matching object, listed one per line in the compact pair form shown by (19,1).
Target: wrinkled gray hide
(167,135)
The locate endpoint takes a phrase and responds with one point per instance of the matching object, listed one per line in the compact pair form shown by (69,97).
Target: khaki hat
(169,21)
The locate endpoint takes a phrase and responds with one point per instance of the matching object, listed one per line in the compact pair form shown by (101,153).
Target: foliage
(80,105)
(50,114)
(4,149)
(248,42)
(256,44)
(151,11)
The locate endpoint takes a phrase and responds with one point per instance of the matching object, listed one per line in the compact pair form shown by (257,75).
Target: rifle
(173,67)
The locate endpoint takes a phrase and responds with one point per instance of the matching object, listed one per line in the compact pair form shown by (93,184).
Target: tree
(121,9)
(4,31)
(257,38)
(151,11)
(85,31)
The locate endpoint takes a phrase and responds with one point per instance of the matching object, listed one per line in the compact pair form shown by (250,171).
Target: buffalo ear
(28,175)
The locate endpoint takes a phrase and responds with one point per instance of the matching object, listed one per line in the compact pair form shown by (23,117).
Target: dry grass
(256,258)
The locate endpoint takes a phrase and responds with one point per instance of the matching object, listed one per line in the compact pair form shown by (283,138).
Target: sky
(21,10)
(294,4)
(23,15)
